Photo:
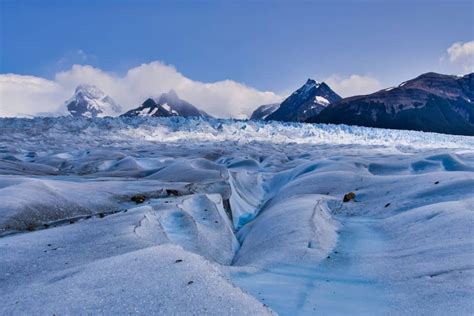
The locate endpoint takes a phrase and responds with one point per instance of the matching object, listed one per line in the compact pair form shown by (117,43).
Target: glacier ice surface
(237,217)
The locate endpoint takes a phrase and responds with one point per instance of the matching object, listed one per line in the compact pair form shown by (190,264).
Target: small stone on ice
(138,198)
(349,196)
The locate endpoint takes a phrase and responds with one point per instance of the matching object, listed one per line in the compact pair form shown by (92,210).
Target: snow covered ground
(176,216)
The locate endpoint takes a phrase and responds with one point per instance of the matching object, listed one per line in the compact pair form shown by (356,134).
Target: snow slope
(233,217)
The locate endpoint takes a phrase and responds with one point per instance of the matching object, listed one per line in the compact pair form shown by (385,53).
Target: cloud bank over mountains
(22,95)
(28,95)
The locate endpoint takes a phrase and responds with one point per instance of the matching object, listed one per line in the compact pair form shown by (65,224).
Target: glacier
(211,216)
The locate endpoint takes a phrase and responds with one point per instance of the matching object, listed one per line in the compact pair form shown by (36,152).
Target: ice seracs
(305,102)
(168,104)
(90,101)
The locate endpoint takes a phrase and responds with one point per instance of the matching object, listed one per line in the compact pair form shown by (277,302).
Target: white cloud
(20,95)
(353,85)
(462,55)
(27,95)
(82,54)
(72,57)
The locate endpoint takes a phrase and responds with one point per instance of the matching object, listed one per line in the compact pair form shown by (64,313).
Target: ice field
(224,217)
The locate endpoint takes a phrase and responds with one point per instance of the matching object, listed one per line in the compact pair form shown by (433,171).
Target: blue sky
(268,45)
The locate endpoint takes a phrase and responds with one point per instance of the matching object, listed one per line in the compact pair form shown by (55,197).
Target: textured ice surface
(233,217)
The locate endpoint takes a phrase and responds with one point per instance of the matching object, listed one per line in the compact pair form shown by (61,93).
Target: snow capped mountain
(90,101)
(430,102)
(168,104)
(305,102)
(263,111)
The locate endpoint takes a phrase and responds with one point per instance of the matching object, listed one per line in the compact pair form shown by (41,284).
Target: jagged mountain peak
(90,101)
(85,87)
(310,99)
(172,95)
(312,83)
(167,104)
(308,86)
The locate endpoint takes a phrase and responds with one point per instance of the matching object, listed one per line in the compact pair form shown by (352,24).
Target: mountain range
(89,101)
(431,102)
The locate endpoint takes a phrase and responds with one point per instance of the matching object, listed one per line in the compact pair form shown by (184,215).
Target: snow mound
(133,284)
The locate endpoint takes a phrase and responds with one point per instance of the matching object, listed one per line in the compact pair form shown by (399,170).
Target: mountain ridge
(431,102)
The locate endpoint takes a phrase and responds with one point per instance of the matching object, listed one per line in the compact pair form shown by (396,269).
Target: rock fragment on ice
(349,196)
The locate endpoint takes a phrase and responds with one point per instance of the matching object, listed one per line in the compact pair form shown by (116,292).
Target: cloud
(27,95)
(72,57)
(82,54)
(462,55)
(20,95)
(353,85)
